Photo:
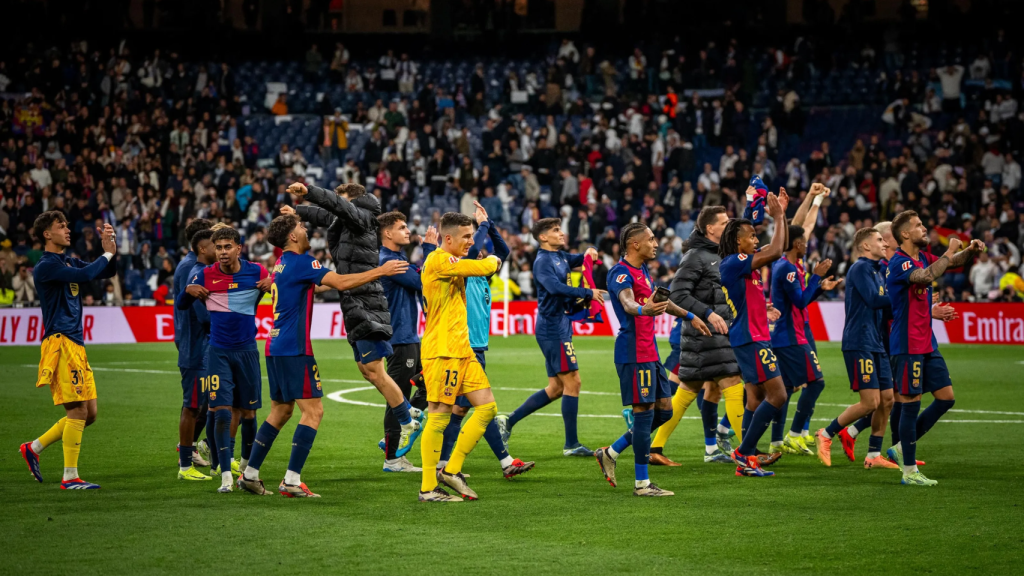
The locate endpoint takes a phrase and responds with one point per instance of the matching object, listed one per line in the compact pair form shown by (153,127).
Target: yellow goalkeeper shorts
(64,367)
(448,378)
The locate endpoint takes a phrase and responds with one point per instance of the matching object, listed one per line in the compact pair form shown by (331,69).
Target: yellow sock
(56,432)
(472,431)
(72,438)
(734,409)
(680,402)
(430,448)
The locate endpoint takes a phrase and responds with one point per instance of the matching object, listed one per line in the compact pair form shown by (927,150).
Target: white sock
(898,446)
(506,461)
(873,455)
(722,429)
(184,468)
(792,434)
(292,478)
(710,448)
(70,473)
(251,473)
(243,464)
(776,444)
(643,483)
(442,464)
(38,447)
(909,469)
(852,431)
(226,479)
(612,453)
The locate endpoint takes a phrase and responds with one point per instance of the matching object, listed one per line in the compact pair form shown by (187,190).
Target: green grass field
(560,518)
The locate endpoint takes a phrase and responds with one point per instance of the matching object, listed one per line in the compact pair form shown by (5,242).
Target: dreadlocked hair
(627,233)
(730,236)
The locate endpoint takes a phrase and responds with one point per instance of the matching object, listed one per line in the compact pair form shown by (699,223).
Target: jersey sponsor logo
(316,265)
(620,278)
(907,266)
(791,276)
(742,257)
(453,260)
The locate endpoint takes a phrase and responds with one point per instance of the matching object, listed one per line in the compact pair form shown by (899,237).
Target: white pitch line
(951,410)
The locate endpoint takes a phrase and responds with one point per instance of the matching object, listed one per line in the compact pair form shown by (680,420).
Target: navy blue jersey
(295,275)
(635,341)
(674,337)
(57,278)
(555,295)
(403,292)
(744,293)
(191,326)
(911,331)
(866,301)
(232,303)
(791,295)
(478,288)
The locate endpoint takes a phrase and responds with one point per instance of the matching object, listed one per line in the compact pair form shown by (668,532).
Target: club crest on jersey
(620,278)
(881,290)
(907,265)
(316,265)
(74,289)
(742,257)
(410,362)
(791,276)
(232,286)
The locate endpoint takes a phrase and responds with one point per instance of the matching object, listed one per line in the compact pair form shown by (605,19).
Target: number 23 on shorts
(767,356)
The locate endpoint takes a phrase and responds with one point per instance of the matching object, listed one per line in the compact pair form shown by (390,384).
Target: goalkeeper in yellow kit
(450,368)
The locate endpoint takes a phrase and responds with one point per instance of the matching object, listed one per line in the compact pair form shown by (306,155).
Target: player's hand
(430,237)
(751,192)
(773,314)
(480,215)
(700,326)
(652,308)
(817,189)
(107,238)
(936,298)
(944,312)
(287,210)
(592,252)
(298,189)
(197,291)
(718,323)
(774,208)
(977,246)
(598,295)
(783,199)
(265,284)
(954,246)
(827,284)
(394,267)
(822,267)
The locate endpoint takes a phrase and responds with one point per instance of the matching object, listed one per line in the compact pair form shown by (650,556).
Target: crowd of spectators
(146,143)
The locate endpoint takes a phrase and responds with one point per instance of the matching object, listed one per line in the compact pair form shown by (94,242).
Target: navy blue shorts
(366,351)
(672,362)
(810,337)
(234,378)
(643,382)
(915,374)
(559,356)
(192,388)
(757,361)
(868,370)
(799,365)
(482,359)
(293,378)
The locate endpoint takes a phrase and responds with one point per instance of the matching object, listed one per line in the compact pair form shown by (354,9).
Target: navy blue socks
(805,406)
(536,401)
(302,442)
(908,432)
(570,408)
(759,422)
(451,435)
(261,446)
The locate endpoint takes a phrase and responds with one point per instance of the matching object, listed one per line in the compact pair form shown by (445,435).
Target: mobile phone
(660,294)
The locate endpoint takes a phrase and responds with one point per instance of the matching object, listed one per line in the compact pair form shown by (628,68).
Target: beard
(921,243)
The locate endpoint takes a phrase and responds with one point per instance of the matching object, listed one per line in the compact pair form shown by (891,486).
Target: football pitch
(560,518)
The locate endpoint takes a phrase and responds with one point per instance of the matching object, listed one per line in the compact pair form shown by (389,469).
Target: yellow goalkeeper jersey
(444,289)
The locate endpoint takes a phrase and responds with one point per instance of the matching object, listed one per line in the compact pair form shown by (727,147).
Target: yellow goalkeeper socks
(680,402)
(472,431)
(72,438)
(431,441)
(55,433)
(734,409)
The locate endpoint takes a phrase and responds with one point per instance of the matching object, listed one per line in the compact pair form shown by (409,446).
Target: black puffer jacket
(352,239)
(697,287)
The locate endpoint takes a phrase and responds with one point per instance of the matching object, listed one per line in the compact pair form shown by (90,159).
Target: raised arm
(350,215)
(501,249)
(479,239)
(791,285)
(546,277)
(54,272)
(772,252)
(807,214)
(315,215)
(952,258)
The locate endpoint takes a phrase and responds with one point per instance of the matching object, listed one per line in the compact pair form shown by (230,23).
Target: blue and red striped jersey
(635,341)
(744,292)
(791,294)
(292,292)
(232,303)
(911,331)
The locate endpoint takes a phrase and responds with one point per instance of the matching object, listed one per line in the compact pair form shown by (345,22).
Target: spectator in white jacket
(1011,173)
(984,275)
(951,76)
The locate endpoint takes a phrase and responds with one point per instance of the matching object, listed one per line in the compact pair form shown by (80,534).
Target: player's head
(196,225)
(711,222)
(795,242)
(202,245)
(548,231)
(228,245)
(637,238)
(908,230)
(350,191)
(885,229)
(394,229)
(287,233)
(456,232)
(738,238)
(868,243)
(51,228)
